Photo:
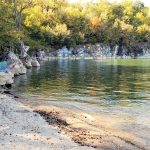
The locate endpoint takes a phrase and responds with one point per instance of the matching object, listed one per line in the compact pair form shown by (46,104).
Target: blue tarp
(4,67)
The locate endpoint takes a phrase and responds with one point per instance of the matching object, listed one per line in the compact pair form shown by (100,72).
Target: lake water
(111,86)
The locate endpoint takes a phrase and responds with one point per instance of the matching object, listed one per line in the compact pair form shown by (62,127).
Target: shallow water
(118,87)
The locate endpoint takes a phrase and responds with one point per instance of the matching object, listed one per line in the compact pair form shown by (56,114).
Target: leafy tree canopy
(55,23)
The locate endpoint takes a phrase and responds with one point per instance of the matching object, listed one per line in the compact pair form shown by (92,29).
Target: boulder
(3,78)
(23,69)
(28,64)
(10,78)
(35,63)
(6,78)
(16,65)
(18,69)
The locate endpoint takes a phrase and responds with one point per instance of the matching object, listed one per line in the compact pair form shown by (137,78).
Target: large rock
(17,70)
(6,78)
(28,64)
(23,69)
(16,65)
(35,63)
(3,78)
(10,78)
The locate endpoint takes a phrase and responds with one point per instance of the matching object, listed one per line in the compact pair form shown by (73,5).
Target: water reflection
(103,82)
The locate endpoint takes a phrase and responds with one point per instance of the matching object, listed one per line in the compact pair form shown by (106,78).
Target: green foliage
(44,23)
(6,25)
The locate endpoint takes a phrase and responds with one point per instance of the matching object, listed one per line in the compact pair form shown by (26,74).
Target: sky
(146,2)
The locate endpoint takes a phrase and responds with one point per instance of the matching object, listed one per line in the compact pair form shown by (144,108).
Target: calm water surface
(120,87)
(104,82)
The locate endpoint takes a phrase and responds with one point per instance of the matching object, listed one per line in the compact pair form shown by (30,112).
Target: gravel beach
(23,129)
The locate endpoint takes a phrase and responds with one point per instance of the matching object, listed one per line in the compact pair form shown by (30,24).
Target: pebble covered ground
(23,129)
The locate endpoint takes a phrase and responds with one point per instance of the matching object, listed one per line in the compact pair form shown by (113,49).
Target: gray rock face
(24,49)
(28,64)
(35,63)
(104,51)
(17,67)
(6,78)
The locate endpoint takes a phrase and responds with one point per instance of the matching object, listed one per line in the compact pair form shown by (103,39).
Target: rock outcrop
(104,50)
(35,63)
(6,78)
(16,65)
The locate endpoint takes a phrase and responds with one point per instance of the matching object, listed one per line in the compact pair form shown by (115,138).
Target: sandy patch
(88,129)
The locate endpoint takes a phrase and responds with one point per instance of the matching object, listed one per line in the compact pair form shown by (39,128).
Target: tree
(6,25)
(44,23)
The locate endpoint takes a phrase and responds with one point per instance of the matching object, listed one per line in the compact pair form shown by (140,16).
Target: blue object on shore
(4,67)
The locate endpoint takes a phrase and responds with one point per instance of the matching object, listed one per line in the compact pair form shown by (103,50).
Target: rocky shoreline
(21,126)
(101,50)
(11,65)
(34,126)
